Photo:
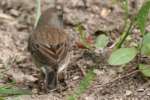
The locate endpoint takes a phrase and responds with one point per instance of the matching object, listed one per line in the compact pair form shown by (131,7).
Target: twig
(116,79)
(6,17)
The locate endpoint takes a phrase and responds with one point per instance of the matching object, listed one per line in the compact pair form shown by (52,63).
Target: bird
(49,45)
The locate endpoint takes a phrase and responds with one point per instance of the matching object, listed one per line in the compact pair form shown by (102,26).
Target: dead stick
(118,78)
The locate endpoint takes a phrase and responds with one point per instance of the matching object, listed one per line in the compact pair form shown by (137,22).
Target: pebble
(128,93)
(76,77)
(140,90)
(148,94)
(14,12)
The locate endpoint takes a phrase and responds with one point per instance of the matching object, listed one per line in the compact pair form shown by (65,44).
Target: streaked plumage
(49,46)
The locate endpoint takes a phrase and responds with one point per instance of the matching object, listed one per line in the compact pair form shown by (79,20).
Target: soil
(17,18)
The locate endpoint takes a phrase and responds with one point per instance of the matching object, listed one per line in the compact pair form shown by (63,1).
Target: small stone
(148,94)
(14,12)
(128,93)
(105,12)
(34,91)
(1,66)
(98,72)
(76,77)
(89,98)
(140,90)
(21,27)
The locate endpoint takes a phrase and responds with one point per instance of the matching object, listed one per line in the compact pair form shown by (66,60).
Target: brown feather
(49,43)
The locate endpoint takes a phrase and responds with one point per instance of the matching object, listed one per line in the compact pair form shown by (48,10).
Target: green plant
(2,98)
(83,42)
(83,86)
(9,90)
(122,55)
(118,57)
(88,41)
(38,12)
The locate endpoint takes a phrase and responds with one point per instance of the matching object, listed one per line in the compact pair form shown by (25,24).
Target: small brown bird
(50,47)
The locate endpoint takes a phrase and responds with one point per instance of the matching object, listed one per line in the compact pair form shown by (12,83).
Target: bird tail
(50,78)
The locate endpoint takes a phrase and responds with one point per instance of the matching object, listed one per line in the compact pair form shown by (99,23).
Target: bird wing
(51,47)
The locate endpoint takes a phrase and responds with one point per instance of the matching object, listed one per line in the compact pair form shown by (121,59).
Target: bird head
(51,17)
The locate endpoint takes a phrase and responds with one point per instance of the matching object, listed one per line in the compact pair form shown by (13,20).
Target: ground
(17,19)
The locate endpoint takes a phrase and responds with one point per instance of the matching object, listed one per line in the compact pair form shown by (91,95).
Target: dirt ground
(17,19)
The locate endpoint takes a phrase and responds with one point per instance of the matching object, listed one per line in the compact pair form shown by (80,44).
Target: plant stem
(125,36)
(127,26)
(126,10)
(38,12)
(140,50)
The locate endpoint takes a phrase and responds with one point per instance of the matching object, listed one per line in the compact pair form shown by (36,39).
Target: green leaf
(122,56)
(84,84)
(80,28)
(82,33)
(146,44)
(101,41)
(142,16)
(12,91)
(1,98)
(145,69)
(71,98)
